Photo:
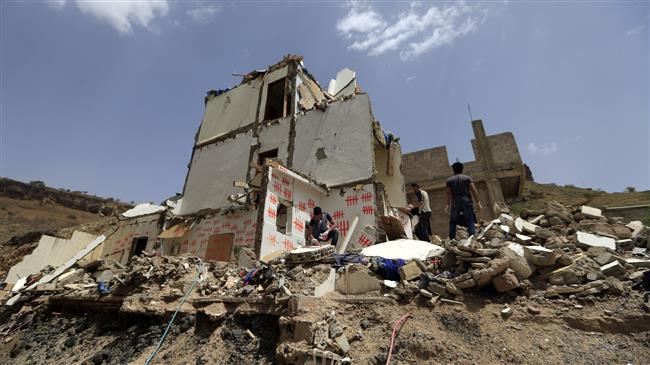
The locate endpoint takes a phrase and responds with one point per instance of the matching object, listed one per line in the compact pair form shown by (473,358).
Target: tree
(630,189)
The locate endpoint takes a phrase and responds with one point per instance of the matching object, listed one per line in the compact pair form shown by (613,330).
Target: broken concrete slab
(326,286)
(625,245)
(356,279)
(638,262)
(410,271)
(586,240)
(634,225)
(523,239)
(614,268)
(591,211)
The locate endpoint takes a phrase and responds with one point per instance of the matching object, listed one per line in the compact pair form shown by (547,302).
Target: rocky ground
(608,332)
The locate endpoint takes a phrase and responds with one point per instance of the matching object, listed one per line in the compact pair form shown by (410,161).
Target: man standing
(321,228)
(423,228)
(460,192)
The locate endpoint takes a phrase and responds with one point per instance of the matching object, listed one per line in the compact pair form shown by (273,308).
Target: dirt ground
(612,330)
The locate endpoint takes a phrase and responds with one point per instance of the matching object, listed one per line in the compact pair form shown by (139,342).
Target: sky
(106,96)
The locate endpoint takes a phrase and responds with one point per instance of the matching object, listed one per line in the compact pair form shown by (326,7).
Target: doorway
(220,247)
(139,245)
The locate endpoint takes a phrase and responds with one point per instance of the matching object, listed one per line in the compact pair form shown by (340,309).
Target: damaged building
(498,173)
(267,152)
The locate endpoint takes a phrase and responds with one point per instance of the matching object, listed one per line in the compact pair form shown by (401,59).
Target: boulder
(506,281)
(517,262)
(544,233)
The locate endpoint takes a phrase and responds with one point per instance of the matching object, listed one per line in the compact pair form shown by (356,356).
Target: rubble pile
(559,251)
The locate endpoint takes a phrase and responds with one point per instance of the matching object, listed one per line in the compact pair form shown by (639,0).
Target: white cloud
(414,32)
(634,31)
(204,13)
(544,149)
(123,15)
(410,78)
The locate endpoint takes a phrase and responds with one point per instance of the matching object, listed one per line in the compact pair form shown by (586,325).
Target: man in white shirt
(423,228)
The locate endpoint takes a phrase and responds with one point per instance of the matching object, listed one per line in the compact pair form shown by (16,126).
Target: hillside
(34,207)
(537,196)
(28,210)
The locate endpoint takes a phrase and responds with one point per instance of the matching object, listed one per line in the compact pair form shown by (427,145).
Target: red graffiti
(366,197)
(339,214)
(364,241)
(288,245)
(311,204)
(343,226)
(287,194)
(273,199)
(368,209)
(277,187)
(271,213)
(352,200)
(285,180)
(272,239)
(298,225)
(302,206)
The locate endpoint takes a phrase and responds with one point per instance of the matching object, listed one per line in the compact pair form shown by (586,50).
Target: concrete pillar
(486,158)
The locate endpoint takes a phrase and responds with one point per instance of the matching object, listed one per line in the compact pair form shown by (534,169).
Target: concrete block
(356,279)
(634,225)
(625,245)
(541,256)
(586,240)
(614,268)
(410,271)
(604,258)
(591,211)
(638,262)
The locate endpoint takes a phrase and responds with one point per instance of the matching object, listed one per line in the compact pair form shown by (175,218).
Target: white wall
(393,185)
(231,110)
(51,251)
(276,136)
(118,245)
(344,132)
(213,169)
(303,197)
(241,223)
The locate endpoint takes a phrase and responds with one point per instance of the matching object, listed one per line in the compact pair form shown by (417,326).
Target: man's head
(318,212)
(457,167)
(413,187)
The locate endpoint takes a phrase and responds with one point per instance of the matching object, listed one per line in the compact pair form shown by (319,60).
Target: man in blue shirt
(321,228)
(460,192)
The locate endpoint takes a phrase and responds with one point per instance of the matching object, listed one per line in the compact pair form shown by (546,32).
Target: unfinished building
(498,173)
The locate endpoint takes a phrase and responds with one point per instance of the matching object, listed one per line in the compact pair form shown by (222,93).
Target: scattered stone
(506,312)
(506,281)
(533,310)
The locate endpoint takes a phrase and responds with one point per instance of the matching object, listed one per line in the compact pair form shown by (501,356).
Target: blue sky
(106,97)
